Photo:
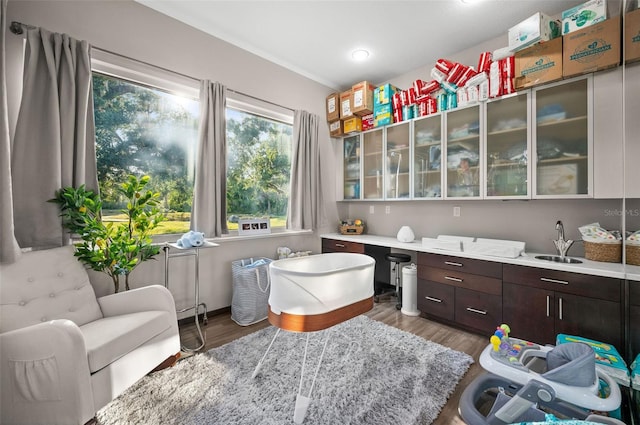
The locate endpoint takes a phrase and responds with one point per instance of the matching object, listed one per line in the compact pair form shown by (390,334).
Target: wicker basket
(607,252)
(351,229)
(633,254)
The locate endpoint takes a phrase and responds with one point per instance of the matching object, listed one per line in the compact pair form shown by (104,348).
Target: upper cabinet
(373,163)
(562,139)
(397,179)
(507,149)
(427,157)
(462,158)
(351,167)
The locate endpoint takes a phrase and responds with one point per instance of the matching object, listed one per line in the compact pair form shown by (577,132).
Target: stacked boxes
(592,49)
(362,98)
(632,36)
(333,107)
(352,125)
(534,29)
(346,104)
(382,110)
(584,15)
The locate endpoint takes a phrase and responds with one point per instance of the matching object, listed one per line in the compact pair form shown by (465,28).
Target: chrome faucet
(561,244)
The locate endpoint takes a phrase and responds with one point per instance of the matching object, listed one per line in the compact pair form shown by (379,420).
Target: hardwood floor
(221,330)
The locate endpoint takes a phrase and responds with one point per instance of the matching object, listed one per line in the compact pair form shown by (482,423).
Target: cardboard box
(333,107)
(382,115)
(363,98)
(591,49)
(336,128)
(538,64)
(534,29)
(584,15)
(632,36)
(382,95)
(346,104)
(352,125)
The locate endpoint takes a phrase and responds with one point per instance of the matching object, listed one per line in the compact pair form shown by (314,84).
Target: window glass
(143,130)
(258,167)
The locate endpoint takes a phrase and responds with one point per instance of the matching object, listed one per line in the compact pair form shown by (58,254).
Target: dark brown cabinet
(464,291)
(538,304)
(634,319)
(332,245)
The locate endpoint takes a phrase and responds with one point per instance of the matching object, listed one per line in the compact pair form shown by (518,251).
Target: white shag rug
(372,373)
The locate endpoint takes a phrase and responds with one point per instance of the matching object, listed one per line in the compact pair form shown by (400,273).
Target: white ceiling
(315,38)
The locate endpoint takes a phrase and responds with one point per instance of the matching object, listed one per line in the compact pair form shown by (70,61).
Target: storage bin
(632,253)
(606,252)
(251,284)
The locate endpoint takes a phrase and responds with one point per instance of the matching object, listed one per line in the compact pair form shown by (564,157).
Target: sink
(559,259)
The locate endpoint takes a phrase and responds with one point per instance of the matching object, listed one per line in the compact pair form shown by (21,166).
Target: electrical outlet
(387,209)
(456,211)
(372,209)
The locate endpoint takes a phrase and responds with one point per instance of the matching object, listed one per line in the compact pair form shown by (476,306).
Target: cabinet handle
(451,263)
(455,279)
(546,279)
(560,308)
(548,300)
(436,300)
(339,245)
(473,310)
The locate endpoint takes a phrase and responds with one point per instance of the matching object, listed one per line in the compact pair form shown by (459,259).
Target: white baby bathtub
(318,291)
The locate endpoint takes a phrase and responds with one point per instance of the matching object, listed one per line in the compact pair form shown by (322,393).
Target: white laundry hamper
(251,285)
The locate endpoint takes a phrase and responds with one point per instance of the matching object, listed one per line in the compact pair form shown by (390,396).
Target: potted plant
(113,248)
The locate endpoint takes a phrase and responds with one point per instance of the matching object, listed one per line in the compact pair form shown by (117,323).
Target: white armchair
(65,354)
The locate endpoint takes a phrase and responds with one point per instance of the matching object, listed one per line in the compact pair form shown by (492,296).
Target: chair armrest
(45,375)
(147,298)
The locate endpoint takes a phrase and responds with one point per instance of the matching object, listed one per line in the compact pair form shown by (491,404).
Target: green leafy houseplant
(113,248)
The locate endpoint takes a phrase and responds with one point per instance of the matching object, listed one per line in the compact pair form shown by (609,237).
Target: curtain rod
(18,29)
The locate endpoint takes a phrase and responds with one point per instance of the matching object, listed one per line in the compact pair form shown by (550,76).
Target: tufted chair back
(46,285)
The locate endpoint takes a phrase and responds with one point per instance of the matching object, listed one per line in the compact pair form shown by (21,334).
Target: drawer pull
(473,310)
(451,263)
(435,300)
(548,299)
(455,279)
(560,308)
(339,245)
(546,279)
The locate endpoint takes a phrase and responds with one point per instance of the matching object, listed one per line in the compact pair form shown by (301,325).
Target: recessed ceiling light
(470,1)
(360,54)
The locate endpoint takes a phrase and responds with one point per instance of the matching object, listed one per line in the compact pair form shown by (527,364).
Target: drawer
(634,293)
(435,299)
(467,265)
(603,288)
(477,310)
(332,245)
(488,285)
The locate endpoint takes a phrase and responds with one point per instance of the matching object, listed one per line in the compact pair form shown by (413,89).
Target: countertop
(595,268)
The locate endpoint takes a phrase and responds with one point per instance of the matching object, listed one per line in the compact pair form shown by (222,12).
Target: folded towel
(634,238)
(594,233)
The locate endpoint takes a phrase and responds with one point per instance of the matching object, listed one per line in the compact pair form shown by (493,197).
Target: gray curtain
(209,212)
(54,143)
(306,206)
(9,249)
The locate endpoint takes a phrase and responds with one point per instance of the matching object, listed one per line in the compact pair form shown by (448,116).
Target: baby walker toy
(526,381)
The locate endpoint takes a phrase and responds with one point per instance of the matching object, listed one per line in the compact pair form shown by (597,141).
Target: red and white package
(484,62)
(438,75)
(463,97)
(472,94)
(483,91)
(396,100)
(408,96)
(507,85)
(468,73)
(444,65)
(476,79)
(455,73)
(426,106)
(397,114)
(508,66)
(419,85)
(495,80)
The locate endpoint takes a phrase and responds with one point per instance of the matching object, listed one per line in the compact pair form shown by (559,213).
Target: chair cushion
(46,285)
(110,338)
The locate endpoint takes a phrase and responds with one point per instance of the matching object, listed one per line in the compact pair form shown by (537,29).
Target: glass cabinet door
(562,139)
(351,158)
(463,153)
(373,171)
(397,157)
(427,157)
(507,148)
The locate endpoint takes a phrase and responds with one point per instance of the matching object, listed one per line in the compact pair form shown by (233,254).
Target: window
(145,130)
(258,163)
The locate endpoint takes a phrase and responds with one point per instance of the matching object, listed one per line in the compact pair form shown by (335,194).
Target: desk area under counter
(537,298)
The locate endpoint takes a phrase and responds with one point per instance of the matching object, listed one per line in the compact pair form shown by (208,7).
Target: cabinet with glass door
(463,161)
(562,138)
(427,157)
(398,161)
(507,147)
(351,167)
(372,164)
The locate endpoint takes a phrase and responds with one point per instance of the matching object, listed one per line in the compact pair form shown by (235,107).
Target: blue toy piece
(191,239)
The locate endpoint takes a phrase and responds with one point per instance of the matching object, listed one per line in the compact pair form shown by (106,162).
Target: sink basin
(559,259)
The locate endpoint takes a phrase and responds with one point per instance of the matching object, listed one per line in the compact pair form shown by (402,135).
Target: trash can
(410,290)
(251,284)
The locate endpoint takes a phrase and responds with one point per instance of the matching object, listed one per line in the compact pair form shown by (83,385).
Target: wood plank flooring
(221,330)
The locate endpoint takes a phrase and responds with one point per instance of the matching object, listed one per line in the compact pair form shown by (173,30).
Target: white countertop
(596,268)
